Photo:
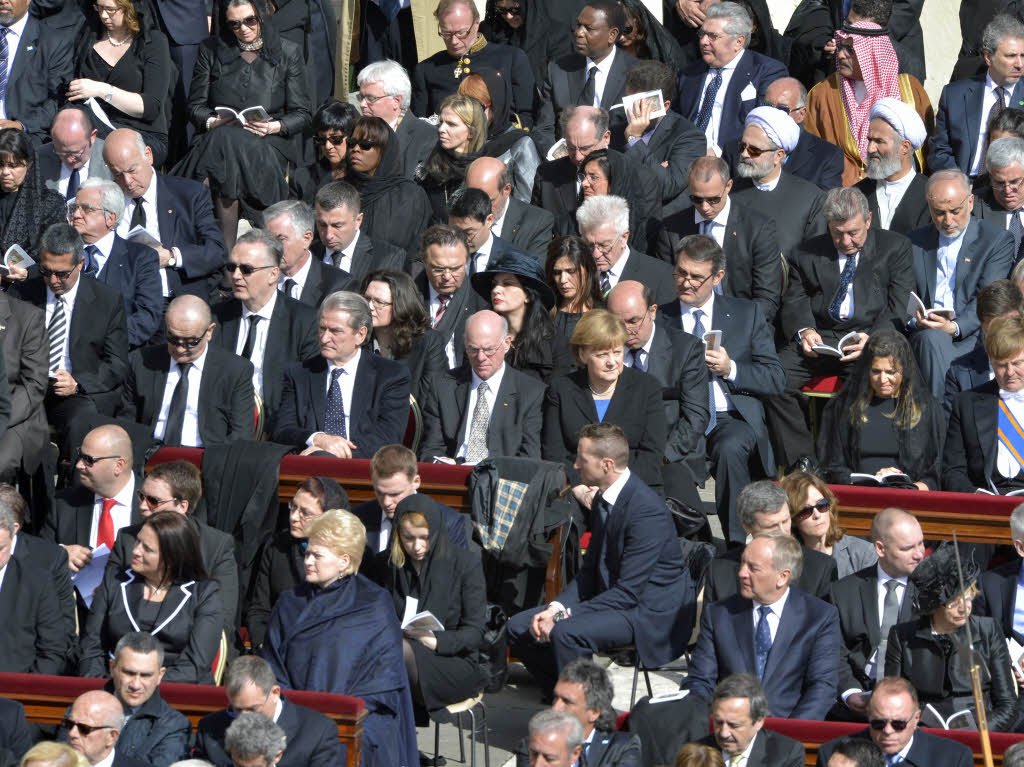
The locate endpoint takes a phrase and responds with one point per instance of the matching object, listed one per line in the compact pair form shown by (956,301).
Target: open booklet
(856,478)
(837,350)
(915,305)
(424,621)
(16,256)
(140,236)
(961,720)
(259,114)
(654,98)
(983,491)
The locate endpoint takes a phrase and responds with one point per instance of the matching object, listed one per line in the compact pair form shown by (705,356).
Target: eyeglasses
(781,107)
(692,279)
(636,321)
(69,153)
(366,146)
(185,343)
(104,10)
(303,515)
(487,351)
(91,460)
(753,151)
(60,274)
(446,271)
(76,207)
(603,247)
(332,140)
(714,37)
(1013,183)
(961,601)
(248,21)
(154,502)
(85,729)
(513,10)
(822,506)
(696,199)
(377,302)
(233,712)
(899,725)
(245,269)
(372,99)
(462,34)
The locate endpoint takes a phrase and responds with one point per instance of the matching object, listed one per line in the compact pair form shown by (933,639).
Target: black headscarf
(540,37)
(501,133)
(643,194)
(335,496)
(385,179)
(432,585)
(661,44)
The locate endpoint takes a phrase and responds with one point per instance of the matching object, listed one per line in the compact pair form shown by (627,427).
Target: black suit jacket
(912,212)
(464,302)
(794,205)
(856,599)
(43,66)
(97,338)
(987,207)
(528,227)
(606,749)
(819,573)
(134,271)
(187,222)
(677,362)
(753,269)
(291,337)
(312,738)
(966,372)
(26,357)
(554,190)
(969,454)
(226,403)
(125,759)
(515,425)
(770,749)
(927,750)
(40,553)
(50,165)
(998,596)
(416,138)
(322,280)
(33,638)
(678,142)
(69,521)
(369,254)
(655,274)
(14,731)
(378,413)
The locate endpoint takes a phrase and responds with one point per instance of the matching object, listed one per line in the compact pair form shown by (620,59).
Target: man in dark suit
(852,280)
(25,354)
(40,64)
(761,508)
(1002,588)
(461,423)
(895,190)
(346,401)
(177,486)
(469,211)
(303,277)
(718,92)
(260,323)
(604,227)
(753,267)
(594,75)
(966,106)
(676,360)
(385,91)
(191,392)
(633,551)
(128,267)
(251,687)
(1001,298)
(1002,201)
(102,715)
(14,729)
(870,602)
(953,260)
(895,700)
(74,154)
(87,337)
(176,213)
(744,370)
(525,226)
(342,245)
(664,147)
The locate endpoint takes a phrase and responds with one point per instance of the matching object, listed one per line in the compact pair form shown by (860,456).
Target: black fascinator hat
(937,581)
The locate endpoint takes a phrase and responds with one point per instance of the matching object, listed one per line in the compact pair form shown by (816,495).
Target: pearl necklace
(117,44)
(608,393)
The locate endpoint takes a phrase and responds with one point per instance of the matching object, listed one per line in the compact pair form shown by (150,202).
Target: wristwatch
(172,261)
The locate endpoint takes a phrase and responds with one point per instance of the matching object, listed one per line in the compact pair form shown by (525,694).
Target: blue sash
(1011,435)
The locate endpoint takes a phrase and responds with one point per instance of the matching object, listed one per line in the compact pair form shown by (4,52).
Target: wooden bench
(46,698)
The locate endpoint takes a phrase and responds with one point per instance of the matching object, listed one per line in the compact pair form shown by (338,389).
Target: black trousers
(732,445)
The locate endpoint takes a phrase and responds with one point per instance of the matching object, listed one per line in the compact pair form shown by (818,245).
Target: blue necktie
(844,284)
(4,60)
(698,330)
(390,8)
(91,266)
(708,104)
(334,416)
(598,527)
(762,640)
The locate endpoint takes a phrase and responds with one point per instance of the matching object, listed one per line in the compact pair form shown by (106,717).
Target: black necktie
(250,339)
(176,412)
(638,360)
(72,185)
(139,214)
(288,285)
(590,89)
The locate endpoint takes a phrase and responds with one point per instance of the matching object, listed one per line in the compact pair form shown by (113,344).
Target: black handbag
(494,651)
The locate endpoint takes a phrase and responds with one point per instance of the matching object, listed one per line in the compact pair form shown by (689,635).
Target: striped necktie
(57,332)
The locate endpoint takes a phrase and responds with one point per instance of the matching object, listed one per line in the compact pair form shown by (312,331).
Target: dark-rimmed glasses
(248,21)
(332,140)
(246,269)
(86,729)
(90,461)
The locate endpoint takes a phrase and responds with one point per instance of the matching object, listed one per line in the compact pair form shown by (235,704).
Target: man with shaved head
(525,226)
(94,725)
(165,383)
(870,602)
(105,497)
(74,154)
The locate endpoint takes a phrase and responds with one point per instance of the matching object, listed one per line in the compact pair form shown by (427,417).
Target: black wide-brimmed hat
(937,580)
(524,267)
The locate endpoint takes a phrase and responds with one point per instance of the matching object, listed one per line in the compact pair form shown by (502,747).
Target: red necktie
(105,531)
(442,305)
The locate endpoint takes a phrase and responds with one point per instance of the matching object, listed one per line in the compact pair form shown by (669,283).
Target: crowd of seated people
(507,256)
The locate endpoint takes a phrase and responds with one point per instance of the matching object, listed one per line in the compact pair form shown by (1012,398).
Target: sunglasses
(91,460)
(151,501)
(366,146)
(332,140)
(752,150)
(183,343)
(781,107)
(514,10)
(698,200)
(899,725)
(245,269)
(60,274)
(85,729)
(248,21)
(806,512)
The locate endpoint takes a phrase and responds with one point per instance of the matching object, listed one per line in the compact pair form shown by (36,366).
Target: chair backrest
(414,426)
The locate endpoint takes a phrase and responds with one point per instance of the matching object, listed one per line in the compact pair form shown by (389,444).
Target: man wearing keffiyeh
(867,69)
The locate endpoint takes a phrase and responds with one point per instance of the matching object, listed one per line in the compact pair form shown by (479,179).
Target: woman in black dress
(460,137)
(279,564)
(332,130)
(884,420)
(395,209)
(426,573)
(401,326)
(607,172)
(122,60)
(515,289)
(27,207)
(572,273)
(248,65)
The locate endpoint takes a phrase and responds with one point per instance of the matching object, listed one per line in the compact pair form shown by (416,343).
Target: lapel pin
(169,211)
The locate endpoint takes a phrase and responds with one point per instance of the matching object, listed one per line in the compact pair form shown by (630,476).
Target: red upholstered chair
(414,426)
(820,388)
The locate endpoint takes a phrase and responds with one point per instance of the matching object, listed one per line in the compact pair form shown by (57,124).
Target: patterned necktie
(73,181)
(476,446)
(708,104)
(91,265)
(736,760)
(289,286)
(57,333)
(638,360)
(699,331)
(1017,230)
(442,304)
(250,340)
(139,214)
(105,530)
(890,616)
(590,89)
(606,283)
(390,8)
(762,640)
(179,401)
(844,285)
(334,416)
(4,61)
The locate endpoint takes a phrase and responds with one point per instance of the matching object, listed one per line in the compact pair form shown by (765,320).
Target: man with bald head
(74,154)
(525,226)
(954,258)
(175,213)
(870,602)
(92,512)
(191,393)
(94,725)
(490,410)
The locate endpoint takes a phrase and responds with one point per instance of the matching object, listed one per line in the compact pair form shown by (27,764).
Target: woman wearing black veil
(27,207)
(527,24)
(606,171)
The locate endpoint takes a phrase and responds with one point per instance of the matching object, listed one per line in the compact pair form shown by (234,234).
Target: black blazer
(515,426)
(38,553)
(188,625)
(279,567)
(678,142)
(966,372)
(426,358)
(770,749)
(912,212)
(528,228)
(677,362)
(226,403)
(97,338)
(291,338)
(464,302)
(71,517)
(987,207)
(369,254)
(554,190)
(969,454)
(998,596)
(26,360)
(927,750)
(607,749)
(794,205)
(43,66)
(133,270)
(378,413)
(416,138)
(322,280)
(33,638)
(856,599)
(819,573)
(655,274)
(753,269)
(635,406)
(187,222)
(14,730)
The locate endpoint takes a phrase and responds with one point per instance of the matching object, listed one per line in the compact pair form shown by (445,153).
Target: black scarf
(432,585)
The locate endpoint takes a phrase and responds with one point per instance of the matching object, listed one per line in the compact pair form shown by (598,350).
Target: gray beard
(752,170)
(883,167)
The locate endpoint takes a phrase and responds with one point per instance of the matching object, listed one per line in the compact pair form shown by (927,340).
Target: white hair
(112,198)
(392,78)
(602,209)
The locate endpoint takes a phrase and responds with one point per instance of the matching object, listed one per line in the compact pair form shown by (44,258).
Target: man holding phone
(740,357)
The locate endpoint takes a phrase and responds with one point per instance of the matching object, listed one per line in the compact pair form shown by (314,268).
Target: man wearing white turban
(769,135)
(895,190)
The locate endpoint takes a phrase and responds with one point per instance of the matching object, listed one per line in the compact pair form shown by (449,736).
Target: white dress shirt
(190,424)
(345,262)
(722,400)
(385,531)
(988,100)
(716,228)
(69,311)
(945,278)
(846,306)
(120,512)
(1010,214)
(260,343)
(716,111)
(493,384)
(615,270)
(766,186)
(433,305)
(103,247)
(744,757)
(627,353)
(889,194)
(65,175)
(774,616)
(483,255)
(150,206)
(880,592)
(604,68)
(499,222)
(108,760)
(347,382)
(14,34)
(299,277)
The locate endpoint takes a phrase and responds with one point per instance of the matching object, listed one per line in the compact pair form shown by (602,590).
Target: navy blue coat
(966,372)
(958,122)
(187,223)
(134,271)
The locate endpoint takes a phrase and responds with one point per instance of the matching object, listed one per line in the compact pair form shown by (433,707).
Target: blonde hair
(342,533)
(598,329)
(471,112)
(56,754)
(415,519)
(1004,338)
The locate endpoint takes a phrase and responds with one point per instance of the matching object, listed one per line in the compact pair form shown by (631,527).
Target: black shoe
(625,659)
(426,760)
(806,463)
